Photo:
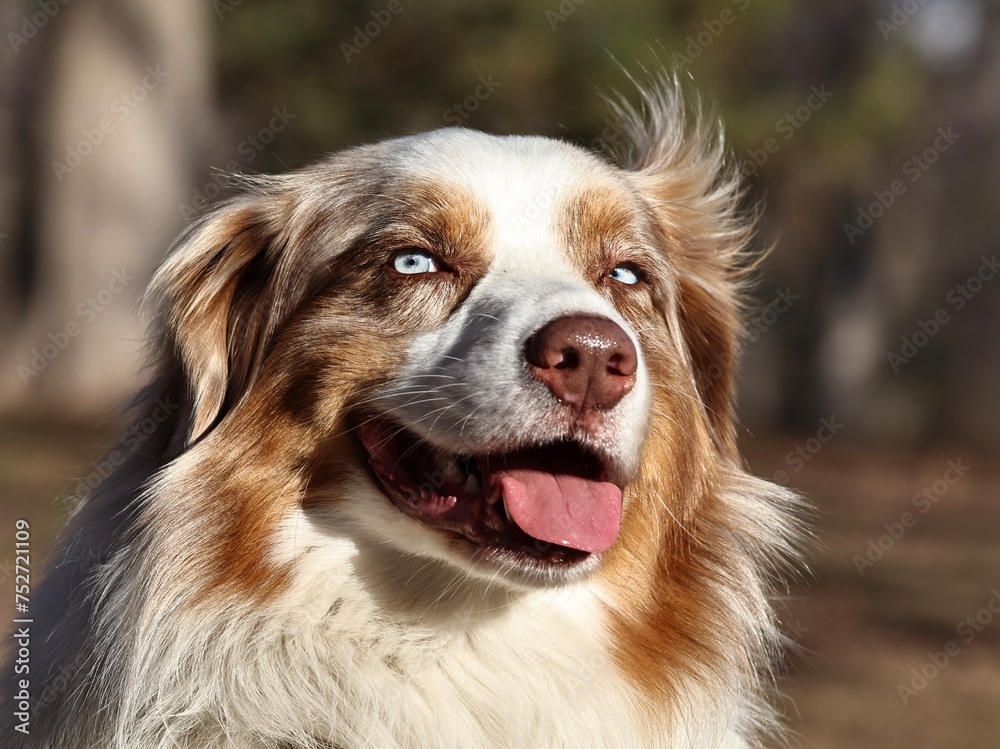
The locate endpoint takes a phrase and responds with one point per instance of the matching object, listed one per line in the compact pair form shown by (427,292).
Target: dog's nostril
(570,359)
(621,365)
(585,361)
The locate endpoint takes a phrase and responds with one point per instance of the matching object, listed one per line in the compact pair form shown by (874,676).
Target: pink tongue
(563,509)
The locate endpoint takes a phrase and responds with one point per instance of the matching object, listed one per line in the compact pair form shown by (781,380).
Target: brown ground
(863,634)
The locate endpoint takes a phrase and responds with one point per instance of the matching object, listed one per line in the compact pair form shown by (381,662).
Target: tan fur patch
(286,437)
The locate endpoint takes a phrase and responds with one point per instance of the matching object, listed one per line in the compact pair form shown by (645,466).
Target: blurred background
(871,130)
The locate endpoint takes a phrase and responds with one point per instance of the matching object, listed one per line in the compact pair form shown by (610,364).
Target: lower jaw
(515,555)
(559,567)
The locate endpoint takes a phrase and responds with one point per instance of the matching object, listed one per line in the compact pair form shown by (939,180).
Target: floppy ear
(677,162)
(214,295)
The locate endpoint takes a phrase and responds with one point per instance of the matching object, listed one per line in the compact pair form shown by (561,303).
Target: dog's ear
(677,161)
(214,294)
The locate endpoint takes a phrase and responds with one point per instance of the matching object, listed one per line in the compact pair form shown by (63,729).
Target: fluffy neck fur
(367,648)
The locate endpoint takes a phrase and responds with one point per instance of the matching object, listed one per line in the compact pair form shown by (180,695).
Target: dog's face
(521,400)
(472,348)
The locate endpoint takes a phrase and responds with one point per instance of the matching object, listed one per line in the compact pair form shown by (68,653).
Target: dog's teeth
(472,485)
(506,512)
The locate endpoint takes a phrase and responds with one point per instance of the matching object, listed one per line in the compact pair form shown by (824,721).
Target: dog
(445,456)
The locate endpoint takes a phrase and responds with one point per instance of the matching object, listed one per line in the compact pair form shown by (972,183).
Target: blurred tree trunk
(107,113)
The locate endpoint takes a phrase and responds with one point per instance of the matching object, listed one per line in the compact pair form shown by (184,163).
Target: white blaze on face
(479,393)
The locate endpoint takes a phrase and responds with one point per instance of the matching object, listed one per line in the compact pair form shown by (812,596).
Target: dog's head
(501,352)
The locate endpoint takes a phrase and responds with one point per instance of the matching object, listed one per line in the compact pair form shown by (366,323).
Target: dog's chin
(537,515)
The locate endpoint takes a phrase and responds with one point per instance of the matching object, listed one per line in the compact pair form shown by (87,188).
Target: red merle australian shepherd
(450,463)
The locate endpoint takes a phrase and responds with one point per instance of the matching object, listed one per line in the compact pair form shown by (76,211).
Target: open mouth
(549,503)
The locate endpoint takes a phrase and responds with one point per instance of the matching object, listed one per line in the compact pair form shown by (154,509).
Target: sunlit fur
(242,582)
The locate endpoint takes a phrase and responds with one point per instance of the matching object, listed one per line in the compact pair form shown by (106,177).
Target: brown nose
(586,362)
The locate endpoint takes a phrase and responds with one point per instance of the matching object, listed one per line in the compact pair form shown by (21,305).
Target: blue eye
(413,262)
(625,274)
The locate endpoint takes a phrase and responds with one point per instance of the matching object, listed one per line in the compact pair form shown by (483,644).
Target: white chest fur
(403,652)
